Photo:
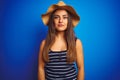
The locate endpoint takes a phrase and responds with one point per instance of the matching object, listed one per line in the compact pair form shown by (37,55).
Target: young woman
(61,49)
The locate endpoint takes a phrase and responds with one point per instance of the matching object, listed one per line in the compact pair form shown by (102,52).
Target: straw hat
(61,5)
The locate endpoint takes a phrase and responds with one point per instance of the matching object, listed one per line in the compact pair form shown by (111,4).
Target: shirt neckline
(58,51)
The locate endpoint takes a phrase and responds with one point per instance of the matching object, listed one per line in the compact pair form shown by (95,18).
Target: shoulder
(42,43)
(78,43)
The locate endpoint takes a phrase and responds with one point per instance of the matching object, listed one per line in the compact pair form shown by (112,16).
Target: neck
(60,35)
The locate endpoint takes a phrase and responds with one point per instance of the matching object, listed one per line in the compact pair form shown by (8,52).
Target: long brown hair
(69,37)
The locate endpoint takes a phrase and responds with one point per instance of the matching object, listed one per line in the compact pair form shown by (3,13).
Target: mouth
(60,25)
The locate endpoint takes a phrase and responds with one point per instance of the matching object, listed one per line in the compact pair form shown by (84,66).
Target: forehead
(60,12)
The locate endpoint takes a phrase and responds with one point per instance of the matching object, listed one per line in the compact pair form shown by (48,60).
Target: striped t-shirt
(58,69)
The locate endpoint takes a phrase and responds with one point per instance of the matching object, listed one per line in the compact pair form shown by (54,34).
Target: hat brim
(74,15)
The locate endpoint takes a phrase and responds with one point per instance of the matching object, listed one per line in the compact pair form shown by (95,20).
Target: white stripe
(72,77)
(57,53)
(58,60)
(49,78)
(58,63)
(67,68)
(68,72)
(71,74)
(57,57)
(53,75)
(55,66)
(54,78)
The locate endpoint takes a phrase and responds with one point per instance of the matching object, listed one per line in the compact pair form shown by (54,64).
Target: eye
(56,17)
(65,17)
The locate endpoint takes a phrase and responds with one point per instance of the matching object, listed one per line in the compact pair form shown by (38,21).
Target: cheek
(66,22)
(55,22)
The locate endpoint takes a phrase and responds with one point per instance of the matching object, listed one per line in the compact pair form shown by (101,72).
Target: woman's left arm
(80,60)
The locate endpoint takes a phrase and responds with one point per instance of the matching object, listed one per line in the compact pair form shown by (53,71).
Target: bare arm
(80,60)
(41,73)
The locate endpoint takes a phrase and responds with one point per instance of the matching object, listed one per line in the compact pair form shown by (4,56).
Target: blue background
(22,30)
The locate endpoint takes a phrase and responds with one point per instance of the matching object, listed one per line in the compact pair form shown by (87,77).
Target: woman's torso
(58,69)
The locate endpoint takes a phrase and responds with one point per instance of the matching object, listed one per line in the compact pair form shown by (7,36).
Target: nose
(60,20)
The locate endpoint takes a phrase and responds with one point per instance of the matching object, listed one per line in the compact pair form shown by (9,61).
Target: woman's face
(60,20)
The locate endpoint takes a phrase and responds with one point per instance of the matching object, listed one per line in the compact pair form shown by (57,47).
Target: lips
(60,25)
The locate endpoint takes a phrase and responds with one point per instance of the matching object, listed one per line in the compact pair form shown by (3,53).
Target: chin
(61,30)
